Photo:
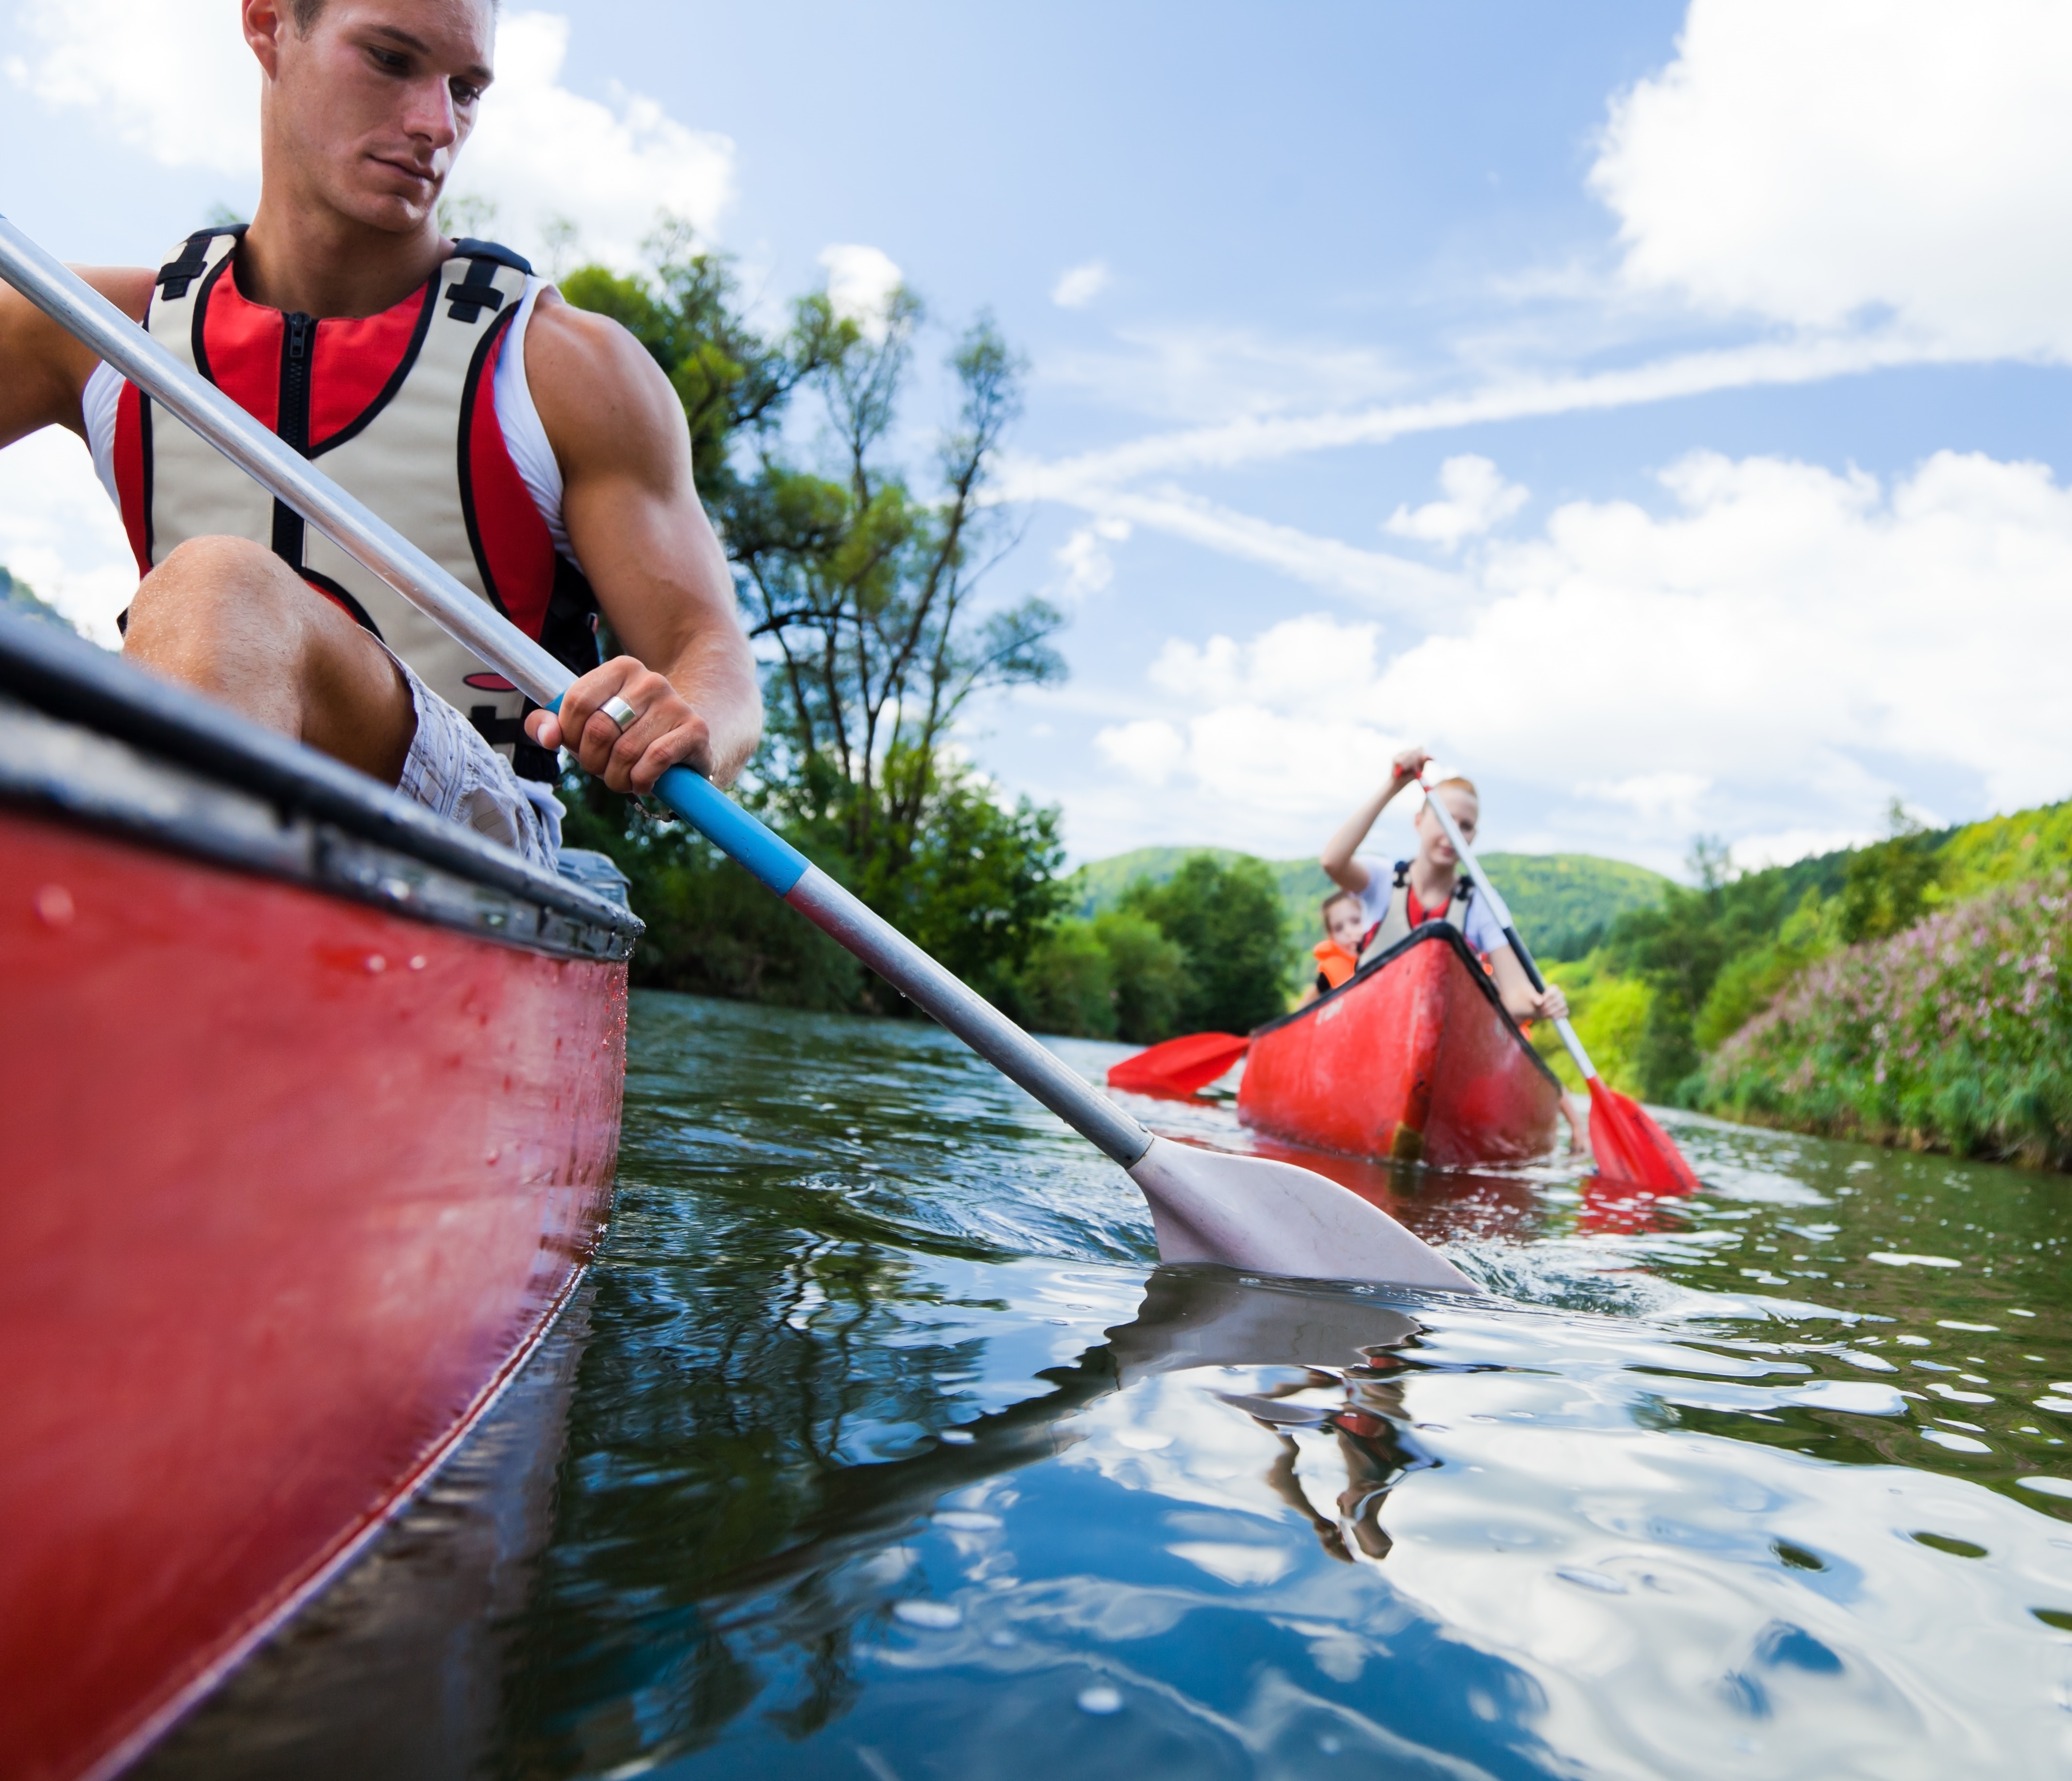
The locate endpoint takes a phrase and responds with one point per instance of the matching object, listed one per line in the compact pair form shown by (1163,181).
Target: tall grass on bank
(1956,1034)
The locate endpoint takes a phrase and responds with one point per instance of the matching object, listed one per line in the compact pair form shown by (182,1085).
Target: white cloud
(171,77)
(1782,628)
(1655,796)
(1195,372)
(174,79)
(1810,163)
(1313,664)
(542,153)
(1085,559)
(1080,285)
(1146,750)
(59,533)
(1087,477)
(1476,498)
(1373,576)
(861,283)
(1770,659)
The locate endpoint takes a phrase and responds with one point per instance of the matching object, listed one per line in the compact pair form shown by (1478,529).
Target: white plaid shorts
(453,771)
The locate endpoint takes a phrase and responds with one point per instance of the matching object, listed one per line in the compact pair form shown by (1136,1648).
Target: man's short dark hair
(305,13)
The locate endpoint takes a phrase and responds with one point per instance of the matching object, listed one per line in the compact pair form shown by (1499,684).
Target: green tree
(1678,950)
(1152,980)
(1891,885)
(863,595)
(1226,920)
(1067,984)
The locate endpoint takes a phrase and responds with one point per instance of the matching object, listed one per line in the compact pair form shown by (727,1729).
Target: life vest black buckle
(471,299)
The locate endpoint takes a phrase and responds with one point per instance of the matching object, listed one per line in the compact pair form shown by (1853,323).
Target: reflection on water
(891,1453)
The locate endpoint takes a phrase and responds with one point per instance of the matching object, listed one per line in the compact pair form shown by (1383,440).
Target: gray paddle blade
(1253,1212)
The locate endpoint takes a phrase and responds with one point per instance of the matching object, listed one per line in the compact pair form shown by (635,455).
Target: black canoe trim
(1437,933)
(87,738)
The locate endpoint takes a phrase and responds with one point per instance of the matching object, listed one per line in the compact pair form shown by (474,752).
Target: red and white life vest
(1395,926)
(398,410)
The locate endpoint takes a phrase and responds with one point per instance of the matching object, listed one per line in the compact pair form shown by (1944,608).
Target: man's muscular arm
(635,522)
(42,369)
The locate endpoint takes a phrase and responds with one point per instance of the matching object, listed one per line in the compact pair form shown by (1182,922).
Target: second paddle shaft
(56,290)
(1467,853)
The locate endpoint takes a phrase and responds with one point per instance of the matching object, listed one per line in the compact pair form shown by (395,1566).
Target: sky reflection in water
(888,1455)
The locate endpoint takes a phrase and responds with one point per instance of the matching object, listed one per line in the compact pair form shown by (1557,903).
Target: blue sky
(1659,410)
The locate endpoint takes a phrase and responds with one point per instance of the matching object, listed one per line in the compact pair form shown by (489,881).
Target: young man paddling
(535,450)
(1429,887)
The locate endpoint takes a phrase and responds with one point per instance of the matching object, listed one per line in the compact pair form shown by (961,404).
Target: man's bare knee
(227,617)
(206,584)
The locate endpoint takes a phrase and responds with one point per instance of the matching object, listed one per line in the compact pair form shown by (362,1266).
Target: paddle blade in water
(1254,1213)
(1631,1146)
(1180,1066)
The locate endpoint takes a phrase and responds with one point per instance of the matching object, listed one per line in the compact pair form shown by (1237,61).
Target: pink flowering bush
(1956,1034)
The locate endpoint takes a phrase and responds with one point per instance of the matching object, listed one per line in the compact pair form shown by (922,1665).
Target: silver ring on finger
(620,713)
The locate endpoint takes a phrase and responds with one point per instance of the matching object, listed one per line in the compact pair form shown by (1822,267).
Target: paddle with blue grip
(1210,1206)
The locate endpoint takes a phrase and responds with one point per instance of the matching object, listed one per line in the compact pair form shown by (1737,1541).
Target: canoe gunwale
(1430,933)
(88,738)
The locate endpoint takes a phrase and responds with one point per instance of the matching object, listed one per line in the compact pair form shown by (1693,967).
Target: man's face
(369,108)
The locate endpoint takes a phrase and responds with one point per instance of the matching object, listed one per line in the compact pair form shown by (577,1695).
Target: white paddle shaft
(1437,806)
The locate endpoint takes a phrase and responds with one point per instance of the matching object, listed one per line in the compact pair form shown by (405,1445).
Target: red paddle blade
(1631,1147)
(1180,1066)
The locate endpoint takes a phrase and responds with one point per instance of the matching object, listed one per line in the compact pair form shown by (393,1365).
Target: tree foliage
(861,585)
(1891,885)
(1226,918)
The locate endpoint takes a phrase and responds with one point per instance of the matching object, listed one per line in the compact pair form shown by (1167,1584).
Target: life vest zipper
(298,340)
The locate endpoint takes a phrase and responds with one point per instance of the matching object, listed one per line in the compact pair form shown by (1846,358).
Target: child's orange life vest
(1335,963)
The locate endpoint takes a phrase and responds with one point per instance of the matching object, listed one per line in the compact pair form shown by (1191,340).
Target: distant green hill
(17,599)
(1561,900)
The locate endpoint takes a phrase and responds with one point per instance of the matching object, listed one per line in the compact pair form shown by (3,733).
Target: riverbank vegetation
(1906,992)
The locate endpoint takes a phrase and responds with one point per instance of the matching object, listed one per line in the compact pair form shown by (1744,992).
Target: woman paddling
(1429,887)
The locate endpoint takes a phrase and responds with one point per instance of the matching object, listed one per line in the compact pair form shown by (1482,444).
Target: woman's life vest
(398,410)
(1396,924)
(1334,964)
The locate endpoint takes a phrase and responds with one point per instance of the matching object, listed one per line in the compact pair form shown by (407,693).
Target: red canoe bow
(1412,1058)
(313,1109)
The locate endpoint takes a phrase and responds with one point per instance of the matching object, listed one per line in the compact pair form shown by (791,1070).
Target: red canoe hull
(1413,1059)
(295,1184)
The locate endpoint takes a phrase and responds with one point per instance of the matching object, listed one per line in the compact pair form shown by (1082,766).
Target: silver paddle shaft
(60,294)
(1437,806)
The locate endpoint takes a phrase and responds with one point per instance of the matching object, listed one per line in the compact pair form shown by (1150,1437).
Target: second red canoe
(1414,1058)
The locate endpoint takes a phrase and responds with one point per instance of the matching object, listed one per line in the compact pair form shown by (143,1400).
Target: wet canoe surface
(889,1452)
(313,1112)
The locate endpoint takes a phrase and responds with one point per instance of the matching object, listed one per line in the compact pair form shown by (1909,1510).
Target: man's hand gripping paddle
(1627,1143)
(1246,1212)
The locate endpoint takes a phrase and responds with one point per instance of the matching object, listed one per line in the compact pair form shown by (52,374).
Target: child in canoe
(1429,887)
(1338,954)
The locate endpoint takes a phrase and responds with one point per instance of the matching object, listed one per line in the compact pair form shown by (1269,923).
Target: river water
(879,1448)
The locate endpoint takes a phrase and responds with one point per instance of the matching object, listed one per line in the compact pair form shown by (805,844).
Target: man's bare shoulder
(129,288)
(599,394)
(44,371)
